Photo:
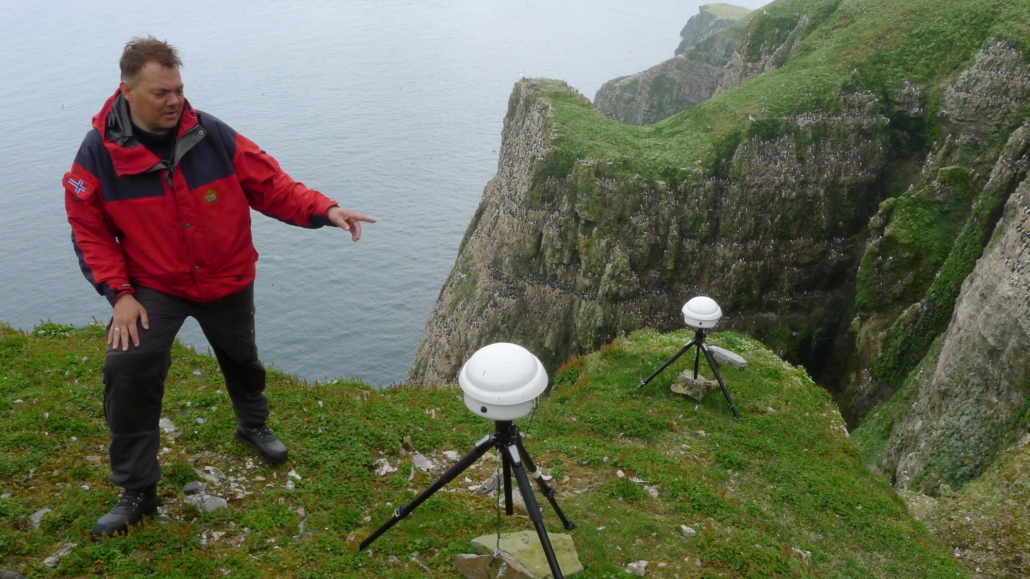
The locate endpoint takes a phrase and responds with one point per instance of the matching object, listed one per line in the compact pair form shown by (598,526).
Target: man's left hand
(348,221)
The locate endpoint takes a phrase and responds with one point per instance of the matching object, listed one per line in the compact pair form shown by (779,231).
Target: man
(159,200)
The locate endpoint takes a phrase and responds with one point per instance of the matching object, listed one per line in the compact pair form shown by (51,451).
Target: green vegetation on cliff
(780,493)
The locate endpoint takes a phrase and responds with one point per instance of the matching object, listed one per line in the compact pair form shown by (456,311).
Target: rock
(525,548)
(452,455)
(490,484)
(487,567)
(652,491)
(93,459)
(687,531)
(686,385)
(63,551)
(423,463)
(193,488)
(806,556)
(638,568)
(293,474)
(212,474)
(406,443)
(37,517)
(166,426)
(383,467)
(206,503)
(5,574)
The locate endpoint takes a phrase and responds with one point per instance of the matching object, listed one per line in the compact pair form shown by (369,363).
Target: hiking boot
(130,510)
(261,440)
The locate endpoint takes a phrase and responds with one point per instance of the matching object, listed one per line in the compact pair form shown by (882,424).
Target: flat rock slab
(487,567)
(525,548)
(686,385)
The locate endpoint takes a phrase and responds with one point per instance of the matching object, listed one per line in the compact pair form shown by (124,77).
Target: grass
(760,492)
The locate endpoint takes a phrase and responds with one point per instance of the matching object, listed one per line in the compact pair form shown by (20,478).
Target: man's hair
(140,51)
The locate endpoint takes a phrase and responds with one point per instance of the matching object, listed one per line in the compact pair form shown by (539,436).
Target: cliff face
(710,18)
(562,261)
(692,76)
(835,201)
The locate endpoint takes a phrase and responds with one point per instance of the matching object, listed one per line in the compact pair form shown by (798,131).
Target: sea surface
(394,108)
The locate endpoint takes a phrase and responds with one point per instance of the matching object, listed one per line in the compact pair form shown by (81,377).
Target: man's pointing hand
(348,221)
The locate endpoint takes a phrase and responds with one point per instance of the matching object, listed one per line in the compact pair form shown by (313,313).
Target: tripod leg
(545,488)
(697,360)
(463,463)
(666,364)
(715,370)
(534,509)
(509,508)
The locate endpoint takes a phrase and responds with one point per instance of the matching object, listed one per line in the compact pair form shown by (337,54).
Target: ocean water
(393,108)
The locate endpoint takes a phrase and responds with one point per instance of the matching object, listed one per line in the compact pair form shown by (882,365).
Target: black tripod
(699,341)
(505,439)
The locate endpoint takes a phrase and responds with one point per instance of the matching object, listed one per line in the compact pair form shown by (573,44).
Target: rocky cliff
(835,196)
(692,76)
(710,18)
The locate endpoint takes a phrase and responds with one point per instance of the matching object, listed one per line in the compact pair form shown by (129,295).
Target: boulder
(525,548)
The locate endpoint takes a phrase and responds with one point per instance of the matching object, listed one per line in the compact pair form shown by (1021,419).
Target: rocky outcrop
(709,19)
(925,242)
(968,397)
(748,45)
(692,76)
(561,263)
(672,86)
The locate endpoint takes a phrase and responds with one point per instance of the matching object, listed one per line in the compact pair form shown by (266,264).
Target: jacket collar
(128,155)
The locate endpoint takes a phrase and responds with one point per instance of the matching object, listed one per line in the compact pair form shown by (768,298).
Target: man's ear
(126,89)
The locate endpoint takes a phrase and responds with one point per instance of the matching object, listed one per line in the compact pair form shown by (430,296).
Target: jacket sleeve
(94,236)
(274,193)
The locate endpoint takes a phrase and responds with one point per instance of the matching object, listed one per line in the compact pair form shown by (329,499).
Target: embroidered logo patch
(211,196)
(79,185)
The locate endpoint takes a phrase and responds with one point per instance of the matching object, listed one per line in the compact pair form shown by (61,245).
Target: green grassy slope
(760,492)
(852,45)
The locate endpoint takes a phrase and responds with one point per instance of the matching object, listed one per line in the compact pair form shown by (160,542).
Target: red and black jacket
(181,226)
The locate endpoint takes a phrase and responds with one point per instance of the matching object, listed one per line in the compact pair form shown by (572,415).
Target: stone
(166,426)
(696,388)
(525,548)
(206,503)
(687,531)
(383,467)
(452,455)
(36,518)
(63,551)
(490,484)
(423,463)
(488,567)
(193,488)
(638,568)
(806,556)
(212,475)
(5,574)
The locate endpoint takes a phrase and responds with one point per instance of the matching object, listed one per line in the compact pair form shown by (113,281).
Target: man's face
(156,100)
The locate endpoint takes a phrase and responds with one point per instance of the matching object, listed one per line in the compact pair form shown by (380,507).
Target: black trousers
(134,379)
